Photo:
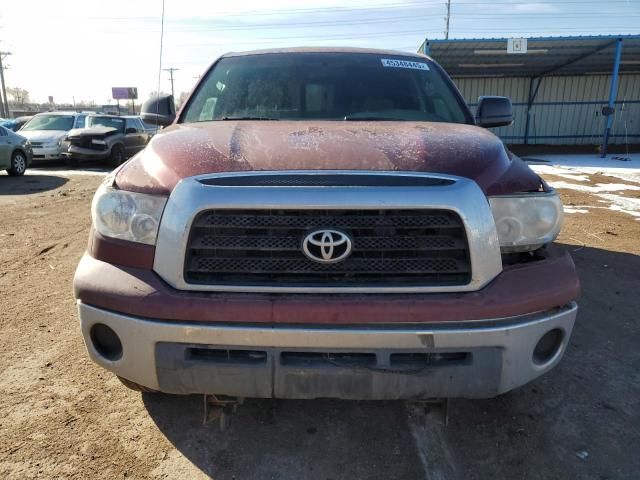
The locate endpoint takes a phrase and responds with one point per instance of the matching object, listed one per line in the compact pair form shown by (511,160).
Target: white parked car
(47,131)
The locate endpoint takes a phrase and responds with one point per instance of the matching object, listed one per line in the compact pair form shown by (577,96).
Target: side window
(80,121)
(139,125)
(131,123)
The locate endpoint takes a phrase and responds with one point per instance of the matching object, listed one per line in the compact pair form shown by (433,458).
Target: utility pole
(171,70)
(4,102)
(446,28)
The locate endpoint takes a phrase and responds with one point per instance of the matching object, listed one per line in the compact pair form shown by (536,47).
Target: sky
(81,48)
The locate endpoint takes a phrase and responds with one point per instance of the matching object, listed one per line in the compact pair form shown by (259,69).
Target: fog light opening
(106,342)
(548,346)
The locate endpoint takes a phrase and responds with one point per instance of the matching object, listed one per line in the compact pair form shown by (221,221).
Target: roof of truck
(325,50)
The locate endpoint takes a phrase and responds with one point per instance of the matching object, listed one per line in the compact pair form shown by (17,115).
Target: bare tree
(18,96)
(181,99)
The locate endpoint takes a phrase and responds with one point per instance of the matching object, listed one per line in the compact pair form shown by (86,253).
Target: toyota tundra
(326,222)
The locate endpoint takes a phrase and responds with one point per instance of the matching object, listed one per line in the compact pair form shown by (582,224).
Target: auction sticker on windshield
(388,62)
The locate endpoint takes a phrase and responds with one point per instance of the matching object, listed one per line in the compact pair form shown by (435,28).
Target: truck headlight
(97,141)
(127,215)
(528,221)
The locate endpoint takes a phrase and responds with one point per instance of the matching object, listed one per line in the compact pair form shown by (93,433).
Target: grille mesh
(390,248)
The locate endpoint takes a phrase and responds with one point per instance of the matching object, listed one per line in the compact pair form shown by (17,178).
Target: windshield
(50,122)
(117,123)
(325,86)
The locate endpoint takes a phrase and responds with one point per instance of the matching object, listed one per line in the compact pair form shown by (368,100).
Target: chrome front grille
(391,247)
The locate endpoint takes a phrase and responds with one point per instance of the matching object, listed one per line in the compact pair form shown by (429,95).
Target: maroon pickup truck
(326,223)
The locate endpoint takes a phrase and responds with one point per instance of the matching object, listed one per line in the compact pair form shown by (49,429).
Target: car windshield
(117,123)
(50,122)
(325,86)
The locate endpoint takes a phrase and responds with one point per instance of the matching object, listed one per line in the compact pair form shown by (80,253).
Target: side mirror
(494,112)
(159,110)
(130,130)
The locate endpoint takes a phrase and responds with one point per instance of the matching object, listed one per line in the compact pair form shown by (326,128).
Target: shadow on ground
(63,165)
(29,184)
(324,439)
(578,421)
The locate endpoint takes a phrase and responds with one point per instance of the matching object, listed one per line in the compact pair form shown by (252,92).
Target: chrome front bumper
(495,356)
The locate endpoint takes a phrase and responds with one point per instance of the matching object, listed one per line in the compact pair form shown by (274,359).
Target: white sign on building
(517,45)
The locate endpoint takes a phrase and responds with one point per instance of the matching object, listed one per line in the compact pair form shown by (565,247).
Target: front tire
(18,164)
(117,156)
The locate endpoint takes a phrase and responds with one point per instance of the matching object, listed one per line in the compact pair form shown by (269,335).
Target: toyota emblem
(327,246)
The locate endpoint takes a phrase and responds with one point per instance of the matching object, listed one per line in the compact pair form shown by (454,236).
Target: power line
(307,24)
(353,36)
(417,18)
(419,4)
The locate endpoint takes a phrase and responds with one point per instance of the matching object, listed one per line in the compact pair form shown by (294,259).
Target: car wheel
(18,164)
(117,156)
(136,387)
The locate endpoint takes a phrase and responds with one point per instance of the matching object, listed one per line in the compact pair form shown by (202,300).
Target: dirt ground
(64,417)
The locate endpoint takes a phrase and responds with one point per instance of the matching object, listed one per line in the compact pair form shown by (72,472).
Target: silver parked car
(15,152)
(46,132)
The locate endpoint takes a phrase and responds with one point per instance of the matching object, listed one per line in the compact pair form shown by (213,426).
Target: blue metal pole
(613,92)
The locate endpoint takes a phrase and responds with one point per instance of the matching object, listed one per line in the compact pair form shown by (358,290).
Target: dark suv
(106,137)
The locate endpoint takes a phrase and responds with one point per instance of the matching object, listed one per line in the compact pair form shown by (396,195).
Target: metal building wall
(567,110)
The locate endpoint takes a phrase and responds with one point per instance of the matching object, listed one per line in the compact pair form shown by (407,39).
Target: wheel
(117,155)
(136,387)
(18,164)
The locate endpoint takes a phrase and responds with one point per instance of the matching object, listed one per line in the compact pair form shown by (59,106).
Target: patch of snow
(627,205)
(575,210)
(560,172)
(591,164)
(600,187)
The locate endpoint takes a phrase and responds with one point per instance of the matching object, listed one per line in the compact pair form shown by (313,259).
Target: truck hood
(185,150)
(44,136)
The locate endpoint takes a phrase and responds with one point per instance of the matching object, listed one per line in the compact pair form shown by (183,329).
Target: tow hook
(219,407)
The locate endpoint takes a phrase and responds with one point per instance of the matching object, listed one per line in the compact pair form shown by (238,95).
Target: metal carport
(582,74)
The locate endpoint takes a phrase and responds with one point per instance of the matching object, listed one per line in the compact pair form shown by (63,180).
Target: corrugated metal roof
(579,55)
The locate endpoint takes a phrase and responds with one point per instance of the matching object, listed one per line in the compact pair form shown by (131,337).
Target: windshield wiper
(248,118)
